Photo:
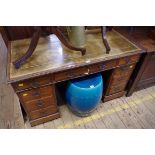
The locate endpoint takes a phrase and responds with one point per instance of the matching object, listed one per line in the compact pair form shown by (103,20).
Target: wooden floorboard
(138,112)
(138,123)
(58,123)
(98,122)
(124,114)
(89,122)
(49,125)
(106,119)
(147,113)
(118,123)
(141,111)
(78,123)
(150,100)
(27,125)
(66,116)
(41,126)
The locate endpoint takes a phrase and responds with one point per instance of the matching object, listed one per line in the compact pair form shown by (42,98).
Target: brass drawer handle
(87,73)
(124,68)
(35,84)
(36,94)
(44,113)
(70,75)
(20,84)
(40,104)
(127,59)
(101,67)
(25,94)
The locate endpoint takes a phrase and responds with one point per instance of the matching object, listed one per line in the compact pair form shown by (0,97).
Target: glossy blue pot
(84,94)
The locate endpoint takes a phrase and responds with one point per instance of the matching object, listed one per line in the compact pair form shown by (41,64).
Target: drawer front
(117,88)
(128,60)
(36,93)
(102,66)
(110,64)
(33,83)
(41,103)
(117,81)
(123,71)
(72,73)
(42,112)
(81,71)
(78,72)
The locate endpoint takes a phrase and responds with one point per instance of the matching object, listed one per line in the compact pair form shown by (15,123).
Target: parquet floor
(135,112)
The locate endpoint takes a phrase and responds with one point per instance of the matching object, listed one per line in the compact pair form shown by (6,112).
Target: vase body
(84,94)
(77,36)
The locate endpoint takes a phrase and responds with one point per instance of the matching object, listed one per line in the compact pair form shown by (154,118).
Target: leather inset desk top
(50,56)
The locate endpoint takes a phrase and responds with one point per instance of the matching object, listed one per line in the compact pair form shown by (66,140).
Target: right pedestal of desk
(117,83)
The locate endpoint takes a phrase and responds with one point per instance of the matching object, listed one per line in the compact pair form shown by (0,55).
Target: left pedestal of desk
(37,96)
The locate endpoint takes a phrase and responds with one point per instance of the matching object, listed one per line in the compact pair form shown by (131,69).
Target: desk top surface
(51,56)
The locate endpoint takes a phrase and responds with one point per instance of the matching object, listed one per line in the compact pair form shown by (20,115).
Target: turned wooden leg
(63,39)
(105,42)
(32,46)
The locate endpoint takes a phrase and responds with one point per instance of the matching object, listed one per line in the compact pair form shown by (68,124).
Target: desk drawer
(117,81)
(41,103)
(102,66)
(72,73)
(33,83)
(117,88)
(42,112)
(36,93)
(81,71)
(123,71)
(128,60)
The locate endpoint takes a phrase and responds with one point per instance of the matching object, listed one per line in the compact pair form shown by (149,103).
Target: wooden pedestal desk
(52,63)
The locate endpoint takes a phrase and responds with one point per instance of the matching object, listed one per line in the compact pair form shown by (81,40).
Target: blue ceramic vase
(84,94)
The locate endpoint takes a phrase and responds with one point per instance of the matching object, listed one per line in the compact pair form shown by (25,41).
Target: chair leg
(105,42)
(32,46)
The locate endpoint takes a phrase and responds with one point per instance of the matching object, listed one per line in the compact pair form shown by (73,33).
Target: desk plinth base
(113,96)
(44,119)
